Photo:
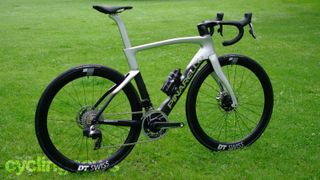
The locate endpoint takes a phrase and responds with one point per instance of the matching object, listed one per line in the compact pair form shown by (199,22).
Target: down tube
(171,101)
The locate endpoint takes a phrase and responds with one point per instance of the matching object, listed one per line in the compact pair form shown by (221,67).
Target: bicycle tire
(59,142)
(211,123)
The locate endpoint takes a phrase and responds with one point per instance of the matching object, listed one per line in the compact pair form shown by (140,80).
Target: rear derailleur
(85,119)
(94,133)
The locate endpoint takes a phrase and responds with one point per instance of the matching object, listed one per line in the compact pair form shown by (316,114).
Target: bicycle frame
(206,52)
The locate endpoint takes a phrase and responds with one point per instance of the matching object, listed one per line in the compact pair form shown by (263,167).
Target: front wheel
(212,119)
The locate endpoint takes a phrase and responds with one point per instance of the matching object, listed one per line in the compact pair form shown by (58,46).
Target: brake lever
(211,30)
(220,30)
(251,31)
(220,18)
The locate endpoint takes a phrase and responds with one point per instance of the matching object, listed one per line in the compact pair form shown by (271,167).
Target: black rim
(221,128)
(59,129)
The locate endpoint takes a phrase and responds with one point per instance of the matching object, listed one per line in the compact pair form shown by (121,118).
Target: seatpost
(122,29)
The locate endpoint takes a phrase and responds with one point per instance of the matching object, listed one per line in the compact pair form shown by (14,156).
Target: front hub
(225,101)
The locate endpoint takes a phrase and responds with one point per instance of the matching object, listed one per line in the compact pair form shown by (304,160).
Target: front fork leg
(221,79)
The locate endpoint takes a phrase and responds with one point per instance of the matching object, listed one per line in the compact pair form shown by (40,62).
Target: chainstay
(122,113)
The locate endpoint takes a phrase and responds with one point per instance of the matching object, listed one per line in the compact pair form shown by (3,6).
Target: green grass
(40,39)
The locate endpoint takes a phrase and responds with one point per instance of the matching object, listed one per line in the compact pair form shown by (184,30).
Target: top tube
(205,42)
(193,40)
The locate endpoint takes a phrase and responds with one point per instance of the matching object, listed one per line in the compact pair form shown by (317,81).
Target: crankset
(155,124)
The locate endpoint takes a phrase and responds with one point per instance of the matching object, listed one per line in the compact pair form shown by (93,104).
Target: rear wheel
(67,108)
(212,119)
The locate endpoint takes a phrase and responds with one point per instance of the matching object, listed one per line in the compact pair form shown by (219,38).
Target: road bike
(90,117)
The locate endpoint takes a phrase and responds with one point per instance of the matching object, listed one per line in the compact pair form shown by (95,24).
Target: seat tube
(122,29)
(125,39)
(145,101)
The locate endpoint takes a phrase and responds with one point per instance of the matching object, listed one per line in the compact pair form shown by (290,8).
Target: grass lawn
(39,39)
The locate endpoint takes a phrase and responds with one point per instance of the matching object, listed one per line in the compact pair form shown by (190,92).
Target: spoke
(250,120)
(108,140)
(206,102)
(228,71)
(92,97)
(84,91)
(226,125)
(114,136)
(251,87)
(207,94)
(66,103)
(63,121)
(251,104)
(101,92)
(212,87)
(97,152)
(241,82)
(250,110)
(76,142)
(238,124)
(58,130)
(234,78)
(78,156)
(251,95)
(235,128)
(61,136)
(87,150)
(242,120)
(74,145)
(217,127)
(112,106)
(75,92)
(72,97)
(221,127)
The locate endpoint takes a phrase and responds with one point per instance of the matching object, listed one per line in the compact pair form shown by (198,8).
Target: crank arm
(159,125)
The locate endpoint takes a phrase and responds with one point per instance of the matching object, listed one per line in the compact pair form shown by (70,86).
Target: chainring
(148,119)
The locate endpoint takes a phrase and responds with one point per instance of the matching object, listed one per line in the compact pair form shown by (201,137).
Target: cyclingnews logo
(44,165)
(37,165)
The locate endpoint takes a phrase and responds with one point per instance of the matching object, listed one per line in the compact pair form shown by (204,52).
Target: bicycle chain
(130,144)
